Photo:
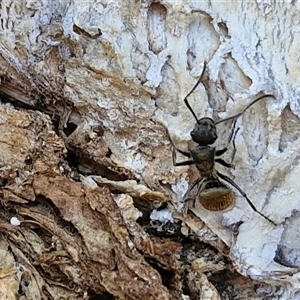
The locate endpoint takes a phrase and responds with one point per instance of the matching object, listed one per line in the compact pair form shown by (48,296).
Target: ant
(213,194)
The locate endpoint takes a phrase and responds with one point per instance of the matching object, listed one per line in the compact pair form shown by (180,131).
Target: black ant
(213,194)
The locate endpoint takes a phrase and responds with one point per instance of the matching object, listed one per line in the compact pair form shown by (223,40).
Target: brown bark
(88,91)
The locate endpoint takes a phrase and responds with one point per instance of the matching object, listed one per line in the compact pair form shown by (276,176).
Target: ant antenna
(197,83)
(239,114)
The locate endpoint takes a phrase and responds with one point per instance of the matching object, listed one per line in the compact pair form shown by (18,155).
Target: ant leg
(187,154)
(234,147)
(185,197)
(233,134)
(231,137)
(221,152)
(191,187)
(221,161)
(230,181)
(183,163)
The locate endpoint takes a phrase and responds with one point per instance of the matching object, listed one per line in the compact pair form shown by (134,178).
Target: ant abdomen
(216,196)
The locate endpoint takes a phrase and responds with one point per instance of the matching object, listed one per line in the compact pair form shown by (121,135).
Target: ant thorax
(203,157)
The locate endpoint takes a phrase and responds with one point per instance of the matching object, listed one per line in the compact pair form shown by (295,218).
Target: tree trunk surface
(91,204)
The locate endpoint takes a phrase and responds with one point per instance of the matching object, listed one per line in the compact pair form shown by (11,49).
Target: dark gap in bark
(156,228)
(104,296)
(45,205)
(45,292)
(223,282)
(167,276)
(69,129)
(72,159)
(87,166)
(40,105)
(168,229)
(17,104)
(192,250)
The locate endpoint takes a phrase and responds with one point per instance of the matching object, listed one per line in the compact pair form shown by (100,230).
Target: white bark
(125,66)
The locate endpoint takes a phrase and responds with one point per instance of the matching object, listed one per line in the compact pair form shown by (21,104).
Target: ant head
(204,132)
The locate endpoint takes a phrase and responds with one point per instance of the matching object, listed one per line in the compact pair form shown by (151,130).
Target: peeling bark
(90,202)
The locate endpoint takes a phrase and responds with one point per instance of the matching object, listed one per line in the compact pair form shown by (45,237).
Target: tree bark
(91,203)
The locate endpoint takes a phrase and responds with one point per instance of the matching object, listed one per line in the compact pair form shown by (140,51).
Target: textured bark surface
(91,204)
